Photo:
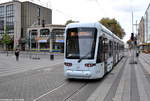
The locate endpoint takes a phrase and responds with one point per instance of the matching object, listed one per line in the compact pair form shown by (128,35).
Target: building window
(38,11)
(10,18)
(34,33)
(1,11)
(9,10)
(58,32)
(44,32)
(1,26)
(1,19)
(39,21)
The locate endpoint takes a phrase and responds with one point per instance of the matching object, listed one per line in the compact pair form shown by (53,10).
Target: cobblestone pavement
(27,78)
(130,84)
(43,80)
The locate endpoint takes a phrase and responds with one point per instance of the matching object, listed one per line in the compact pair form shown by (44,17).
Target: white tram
(91,50)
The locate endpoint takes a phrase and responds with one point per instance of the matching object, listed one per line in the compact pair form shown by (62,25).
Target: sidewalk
(127,82)
(24,64)
(28,78)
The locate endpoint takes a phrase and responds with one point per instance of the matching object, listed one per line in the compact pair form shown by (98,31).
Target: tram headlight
(67,64)
(89,65)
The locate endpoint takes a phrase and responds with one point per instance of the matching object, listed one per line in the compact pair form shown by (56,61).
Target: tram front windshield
(80,43)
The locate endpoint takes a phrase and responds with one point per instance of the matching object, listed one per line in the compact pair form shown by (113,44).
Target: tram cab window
(80,43)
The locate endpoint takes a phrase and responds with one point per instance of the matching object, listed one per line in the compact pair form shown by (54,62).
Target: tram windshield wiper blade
(83,57)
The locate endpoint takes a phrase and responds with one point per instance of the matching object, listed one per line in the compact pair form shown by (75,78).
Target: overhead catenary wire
(69,16)
(101,7)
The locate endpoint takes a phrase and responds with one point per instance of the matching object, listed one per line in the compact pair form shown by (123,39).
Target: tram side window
(122,47)
(118,48)
(110,48)
(100,54)
(114,47)
(106,48)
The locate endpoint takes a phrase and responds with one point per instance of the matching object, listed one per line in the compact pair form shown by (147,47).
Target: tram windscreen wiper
(84,57)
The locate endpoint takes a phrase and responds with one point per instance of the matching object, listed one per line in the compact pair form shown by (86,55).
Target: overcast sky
(94,10)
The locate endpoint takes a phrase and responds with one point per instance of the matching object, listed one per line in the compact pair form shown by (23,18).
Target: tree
(70,21)
(114,26)
(6,39)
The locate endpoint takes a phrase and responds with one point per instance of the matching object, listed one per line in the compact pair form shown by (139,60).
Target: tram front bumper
(78,74)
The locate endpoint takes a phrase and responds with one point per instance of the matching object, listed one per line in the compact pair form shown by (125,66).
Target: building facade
(147,25)
(144,31)
(49,38)
(141,31)
(16,17)
(10,21)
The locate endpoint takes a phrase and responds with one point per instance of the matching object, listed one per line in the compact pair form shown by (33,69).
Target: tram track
(65,91)
(70,90)
(85,92)
(51,91)
(41,79)
(75,92)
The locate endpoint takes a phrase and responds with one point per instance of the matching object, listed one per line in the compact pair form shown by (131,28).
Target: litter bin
(52,57)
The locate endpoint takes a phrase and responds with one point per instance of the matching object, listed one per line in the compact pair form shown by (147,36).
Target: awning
(60,41)
(42,41)
(144,44)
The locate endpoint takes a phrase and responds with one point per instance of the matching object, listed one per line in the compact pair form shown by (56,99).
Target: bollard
(52,57)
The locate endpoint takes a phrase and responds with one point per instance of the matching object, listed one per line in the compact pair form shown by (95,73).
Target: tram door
(102,54)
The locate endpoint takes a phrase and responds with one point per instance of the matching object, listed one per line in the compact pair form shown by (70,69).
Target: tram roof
(106,30)
(72,25)
(93,24)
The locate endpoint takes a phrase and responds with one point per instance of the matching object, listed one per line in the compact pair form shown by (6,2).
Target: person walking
(17,54)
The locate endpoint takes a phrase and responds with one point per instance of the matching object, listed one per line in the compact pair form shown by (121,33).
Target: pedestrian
(137,54)
(17,54)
